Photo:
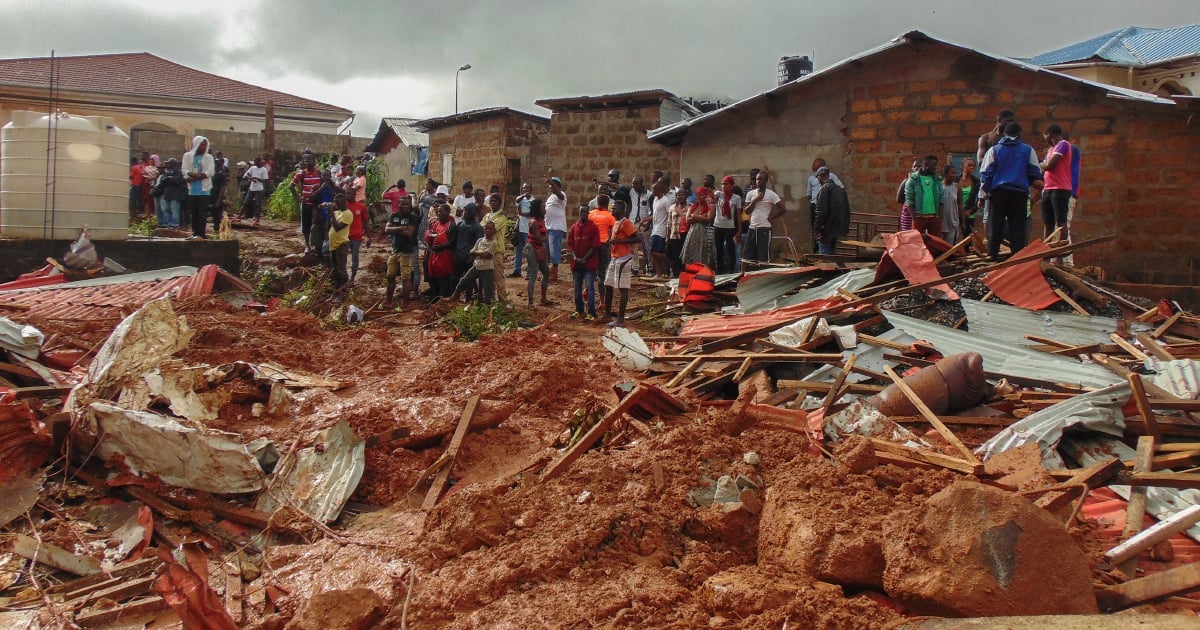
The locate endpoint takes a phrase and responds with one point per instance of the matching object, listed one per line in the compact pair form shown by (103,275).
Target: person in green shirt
(500,220)
(923,194)
(339,239)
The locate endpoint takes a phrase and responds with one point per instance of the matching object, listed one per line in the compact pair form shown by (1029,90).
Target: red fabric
(359,209)
(135,175)
(696,284)
(1023,285)
(581,238)
(907,250)
(441,264)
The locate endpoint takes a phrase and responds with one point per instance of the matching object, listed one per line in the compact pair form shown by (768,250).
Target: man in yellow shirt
(339,239)
(498,218)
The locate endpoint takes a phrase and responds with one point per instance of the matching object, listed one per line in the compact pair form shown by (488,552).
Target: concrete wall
(870,120)
(586,144)
(1183,75)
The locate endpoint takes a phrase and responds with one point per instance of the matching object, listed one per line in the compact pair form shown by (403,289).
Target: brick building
(591,134)
(870,115)
(486,146)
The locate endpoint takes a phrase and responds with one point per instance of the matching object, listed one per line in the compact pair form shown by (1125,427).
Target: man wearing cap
(613,188)
(556,222)
(813,186)
(831,220)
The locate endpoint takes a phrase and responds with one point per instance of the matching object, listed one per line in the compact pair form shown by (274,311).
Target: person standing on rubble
(641,211)
(727,225)
(469,232)
(814,184)
(951,214)
(660,229)
(401,230)
(986,141)
(620,266)
(968,186)
(1009,168)
(555,223)
(583,243)
(537,252)
(199,168)
(698,244)
(677,231)
(832,218)
(499,219)
(308,178)
(923,196)
(764,207)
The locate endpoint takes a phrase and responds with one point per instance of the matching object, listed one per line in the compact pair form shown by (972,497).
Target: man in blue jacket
(1009,168)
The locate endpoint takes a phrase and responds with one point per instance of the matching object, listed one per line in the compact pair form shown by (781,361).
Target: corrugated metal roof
(1010,324)
(851,281)
(620,99)
(477,115)
(407,133)
(668,131)
(1023,285)
(109,298)
(1002,357)
(1095,411)
(1132,45)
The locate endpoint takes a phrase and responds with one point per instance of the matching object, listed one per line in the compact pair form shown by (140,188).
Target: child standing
(339,237)
(950,204)
(483,254)
(173,191)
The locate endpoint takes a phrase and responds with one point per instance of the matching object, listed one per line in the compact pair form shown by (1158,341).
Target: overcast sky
(399,58)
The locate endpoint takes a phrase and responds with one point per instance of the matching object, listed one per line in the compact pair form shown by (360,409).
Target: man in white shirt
(463,199)
(556,222)
(660,228)
(641,212)
(256,175)
(765,206)
(813,186)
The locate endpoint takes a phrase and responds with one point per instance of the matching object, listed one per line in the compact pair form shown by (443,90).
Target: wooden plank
(778,398)
(1155,348)
(194,520)
(443,476)
(75,589)
(685,372)
(835,391)
(821,386)
(1116,368)
(1179,481)
(925,455)
(882,343)
(1128,347)
(742,369)
(55,557)
(123,589)
(1157,533)
(1177,447)
(979,421)
(1162,330)
(564,462)
(1093,476)
(809,329)
(941,428)
(1135,511)
(1143,405)
(1075,305)
(1150,588)
(1048,341)
(950,252)
(885,457)
(779,357)
(107,616)
(1147,315)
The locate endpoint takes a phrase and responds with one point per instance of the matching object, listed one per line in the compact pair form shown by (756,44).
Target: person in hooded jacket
(198,170)
(1009,168)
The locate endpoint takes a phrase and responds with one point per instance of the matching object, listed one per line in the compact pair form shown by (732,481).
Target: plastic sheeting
(1010,324)
(629,348)
(1097,411)
(1005,358)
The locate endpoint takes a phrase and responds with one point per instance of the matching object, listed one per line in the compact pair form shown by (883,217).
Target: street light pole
(464,67)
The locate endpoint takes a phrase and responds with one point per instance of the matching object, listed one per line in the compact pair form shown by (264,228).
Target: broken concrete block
(727,490)
(977,551)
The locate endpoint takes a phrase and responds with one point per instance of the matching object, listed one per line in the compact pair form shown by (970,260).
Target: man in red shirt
(309,178)
(136,183)
(583,241)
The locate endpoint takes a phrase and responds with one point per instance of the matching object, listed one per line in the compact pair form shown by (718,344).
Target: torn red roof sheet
(1023,285)
(907,251)
(115,296)
(729,325)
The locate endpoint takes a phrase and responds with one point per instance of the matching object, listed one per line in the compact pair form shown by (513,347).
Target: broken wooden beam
(108,616)
(835,391)
(590,438)
(1171,321)
(175,513)
(1179,481)
(980,421)
(1150,588)
(443,476)
(1131,349)
(925,411)
(929,456)
(1157,533)
(1156,349)
(822,386)
(54,557)
(1093,476)
(1135,510)
(1143,405)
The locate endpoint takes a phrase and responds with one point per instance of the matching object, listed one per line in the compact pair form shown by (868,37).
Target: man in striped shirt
(309,178)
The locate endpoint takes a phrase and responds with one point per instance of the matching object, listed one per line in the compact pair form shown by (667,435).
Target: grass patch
(145,227)
(475,321)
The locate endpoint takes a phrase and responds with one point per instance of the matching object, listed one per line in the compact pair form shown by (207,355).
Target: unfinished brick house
(870,115)
(591,134)
(486,146)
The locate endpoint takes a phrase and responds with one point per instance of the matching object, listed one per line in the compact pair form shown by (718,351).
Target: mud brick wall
(583,145)
(482,149)
(239,146)
(871,119)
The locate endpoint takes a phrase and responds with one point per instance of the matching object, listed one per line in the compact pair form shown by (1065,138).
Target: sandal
(547,303)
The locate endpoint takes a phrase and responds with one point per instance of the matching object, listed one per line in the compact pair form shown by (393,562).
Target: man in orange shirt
(620,268)
(604,221)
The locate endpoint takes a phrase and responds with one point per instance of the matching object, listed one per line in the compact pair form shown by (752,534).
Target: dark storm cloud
(524,50)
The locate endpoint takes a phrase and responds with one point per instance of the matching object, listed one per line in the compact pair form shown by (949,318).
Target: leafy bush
(377,180)
(145,227)
(475,321)
(282,205)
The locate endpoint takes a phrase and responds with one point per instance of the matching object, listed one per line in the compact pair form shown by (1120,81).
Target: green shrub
(282,205)
(475,321)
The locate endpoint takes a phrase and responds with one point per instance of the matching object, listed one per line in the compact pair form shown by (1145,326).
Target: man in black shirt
(402,231)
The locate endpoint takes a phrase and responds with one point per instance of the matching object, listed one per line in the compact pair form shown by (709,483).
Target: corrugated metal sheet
(1096,411)
(1180,377)
(107,298)
(709,326)
(1010,324)
(403,127)
(1132,45)
(1023,285)
(1005,358)
(1160,502)
(906,249)
(851,281)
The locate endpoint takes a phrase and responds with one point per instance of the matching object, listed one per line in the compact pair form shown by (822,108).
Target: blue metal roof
(1132,45)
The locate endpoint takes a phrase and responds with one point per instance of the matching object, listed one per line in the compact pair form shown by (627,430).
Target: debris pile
(816,460)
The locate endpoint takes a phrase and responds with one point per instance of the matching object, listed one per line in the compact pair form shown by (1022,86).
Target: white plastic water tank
(88,183)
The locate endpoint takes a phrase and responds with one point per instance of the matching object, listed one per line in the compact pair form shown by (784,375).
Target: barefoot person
(537,254)
(402,231)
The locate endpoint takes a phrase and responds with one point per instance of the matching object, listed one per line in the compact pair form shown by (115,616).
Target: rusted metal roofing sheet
(1010,324)
(113,297)
(1023,285)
